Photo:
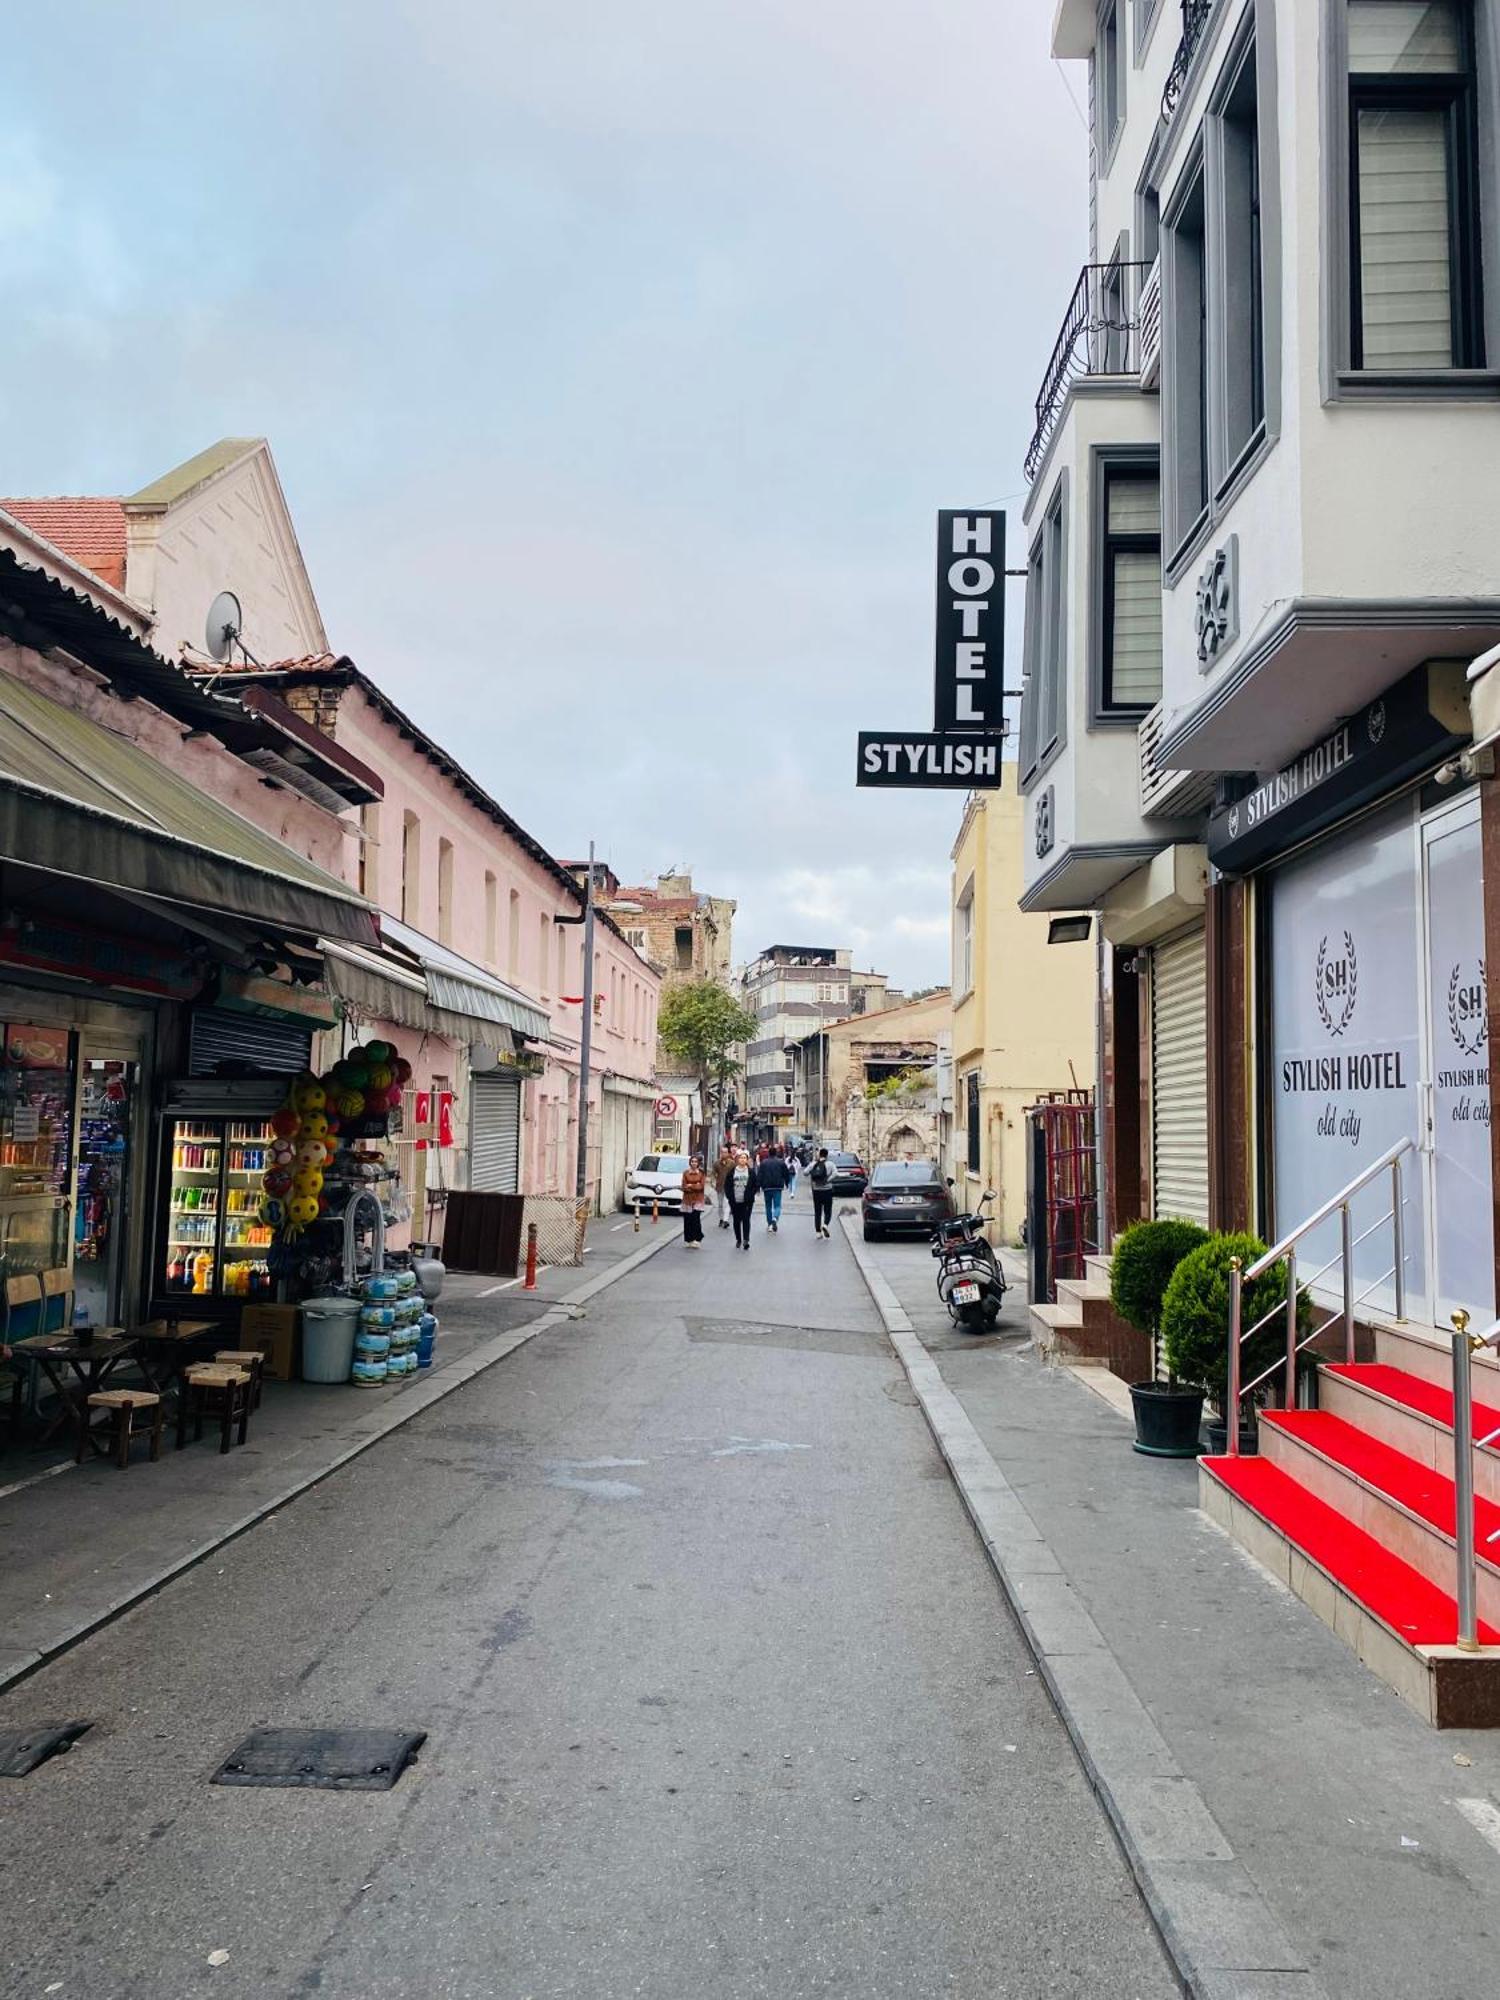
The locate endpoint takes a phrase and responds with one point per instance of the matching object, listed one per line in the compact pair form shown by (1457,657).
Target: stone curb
(391,1417)
(1220,1934)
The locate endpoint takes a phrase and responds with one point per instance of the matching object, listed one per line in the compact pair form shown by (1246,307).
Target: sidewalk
(82,1543)
(1295,1828)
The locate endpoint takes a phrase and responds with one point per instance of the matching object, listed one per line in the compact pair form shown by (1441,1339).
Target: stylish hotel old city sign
(963,751)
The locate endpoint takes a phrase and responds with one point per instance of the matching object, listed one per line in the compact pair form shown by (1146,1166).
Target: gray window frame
(1147,232)
(1144,15)
(1045,651)
(1183,315)
(1340,380)
(1109,107)
(1103,460)
(1231,459)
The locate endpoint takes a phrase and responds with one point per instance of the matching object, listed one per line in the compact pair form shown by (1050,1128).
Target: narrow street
(721,1695)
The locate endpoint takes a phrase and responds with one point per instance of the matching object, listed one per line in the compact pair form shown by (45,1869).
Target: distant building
(872,1083)
(870,992)
(790,989)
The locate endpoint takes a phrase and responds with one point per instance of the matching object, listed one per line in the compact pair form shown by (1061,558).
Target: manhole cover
(21,1750)
(338,1760)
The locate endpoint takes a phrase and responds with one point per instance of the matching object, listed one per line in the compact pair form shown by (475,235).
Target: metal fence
(561,1224)
(1100,335)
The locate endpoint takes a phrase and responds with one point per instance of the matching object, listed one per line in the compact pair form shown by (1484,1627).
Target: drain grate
(336,1760)
(21,1750)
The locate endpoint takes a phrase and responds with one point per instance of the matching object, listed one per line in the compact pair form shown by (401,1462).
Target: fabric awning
(458,986)
(77,800)
(418,983)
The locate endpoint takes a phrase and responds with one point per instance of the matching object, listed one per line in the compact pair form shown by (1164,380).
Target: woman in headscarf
(694,1200)
(741,1185)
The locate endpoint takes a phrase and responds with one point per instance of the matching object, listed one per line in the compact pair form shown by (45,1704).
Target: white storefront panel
(1179,1077)
(1460,1074)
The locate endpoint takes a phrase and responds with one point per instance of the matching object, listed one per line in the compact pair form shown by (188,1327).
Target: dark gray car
(906,1195)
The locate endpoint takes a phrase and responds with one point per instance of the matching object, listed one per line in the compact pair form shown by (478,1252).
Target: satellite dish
(223,625)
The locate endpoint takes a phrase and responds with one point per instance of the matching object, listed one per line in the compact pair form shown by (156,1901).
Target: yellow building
(1023,1009)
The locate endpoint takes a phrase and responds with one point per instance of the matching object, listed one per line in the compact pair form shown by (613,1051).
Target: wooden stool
(123,1403)
(214,1391)
(249,1358)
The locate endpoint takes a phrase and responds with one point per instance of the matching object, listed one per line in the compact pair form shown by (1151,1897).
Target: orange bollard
(530,1284)
(655,1209)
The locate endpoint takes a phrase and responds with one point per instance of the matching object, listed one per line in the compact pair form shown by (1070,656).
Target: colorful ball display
(307,1185)
(303,1208)
(309,1096)
(286,1122)
(315,1126)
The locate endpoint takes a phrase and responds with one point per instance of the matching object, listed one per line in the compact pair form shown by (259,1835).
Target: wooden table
(89,1364)
(166,1348)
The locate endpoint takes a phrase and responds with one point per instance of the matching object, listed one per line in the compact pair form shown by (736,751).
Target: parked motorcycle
(970,1281)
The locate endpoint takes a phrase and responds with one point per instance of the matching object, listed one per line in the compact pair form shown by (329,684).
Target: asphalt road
(721,1698)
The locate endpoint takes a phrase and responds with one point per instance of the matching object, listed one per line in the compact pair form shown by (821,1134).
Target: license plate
(906,1201)
(966,1295)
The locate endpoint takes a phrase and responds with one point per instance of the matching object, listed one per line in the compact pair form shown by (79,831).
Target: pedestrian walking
(820,1179)
(792,1168)
(741,1188)
(723,1167)
(772,1176)
(694,1201)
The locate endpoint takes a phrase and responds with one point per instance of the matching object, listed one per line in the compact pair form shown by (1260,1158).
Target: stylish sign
(929,763)
(970,657)
(1413,725)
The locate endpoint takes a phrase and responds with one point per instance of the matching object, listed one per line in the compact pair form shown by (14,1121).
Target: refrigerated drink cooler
(215,1145)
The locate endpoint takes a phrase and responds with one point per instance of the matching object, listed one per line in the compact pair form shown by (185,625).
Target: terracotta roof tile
(90,530)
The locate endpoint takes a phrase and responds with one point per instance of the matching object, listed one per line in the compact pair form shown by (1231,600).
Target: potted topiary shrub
(1195,1323)
(1167,1414)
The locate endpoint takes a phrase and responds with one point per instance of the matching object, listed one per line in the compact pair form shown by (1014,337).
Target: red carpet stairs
(1351,1506)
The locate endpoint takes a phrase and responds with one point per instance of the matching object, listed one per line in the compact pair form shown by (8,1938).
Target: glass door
(215,1244)
(109,1096)
(37,1086)
(1456,1121)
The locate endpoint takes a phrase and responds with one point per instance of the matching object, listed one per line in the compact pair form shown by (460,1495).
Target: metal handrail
(1336,1201)
(1100,335)
(1338,1204)
(1195,15)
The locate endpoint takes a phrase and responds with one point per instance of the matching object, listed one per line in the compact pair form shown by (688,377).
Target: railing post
(1347,1237)
(1290,1398)
(1398,1234)
(1463,1486)
(1232,1387)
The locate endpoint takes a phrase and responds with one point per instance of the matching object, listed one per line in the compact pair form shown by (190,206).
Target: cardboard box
(273,1330)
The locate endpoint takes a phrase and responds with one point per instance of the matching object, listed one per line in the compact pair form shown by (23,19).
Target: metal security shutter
(1179,1077)
(495,1133)
(225,1044)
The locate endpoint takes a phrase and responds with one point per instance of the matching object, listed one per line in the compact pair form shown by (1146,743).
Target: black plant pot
(1218,1438)
(1166,1419)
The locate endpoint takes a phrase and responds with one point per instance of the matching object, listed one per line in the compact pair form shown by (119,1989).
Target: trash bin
(328,1329)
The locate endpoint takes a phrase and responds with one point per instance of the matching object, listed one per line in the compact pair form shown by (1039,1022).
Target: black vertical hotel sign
(970,661)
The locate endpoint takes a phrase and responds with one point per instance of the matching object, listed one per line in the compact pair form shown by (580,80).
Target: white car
(656,1178)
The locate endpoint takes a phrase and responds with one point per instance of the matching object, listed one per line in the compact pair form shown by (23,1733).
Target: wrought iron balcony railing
(1100,336)
(1195,18)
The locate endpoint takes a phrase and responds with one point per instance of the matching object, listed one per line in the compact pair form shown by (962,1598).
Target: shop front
(1371,1020)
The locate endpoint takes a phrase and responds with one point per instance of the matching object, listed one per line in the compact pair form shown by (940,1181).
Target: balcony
(1100,337)
(1150,328)
(1196,15)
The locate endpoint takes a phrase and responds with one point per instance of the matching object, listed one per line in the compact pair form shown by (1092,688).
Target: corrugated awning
(457,986)
(77,800)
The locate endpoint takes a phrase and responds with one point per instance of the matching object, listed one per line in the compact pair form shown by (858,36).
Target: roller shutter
(495,1133)
(1179,1077)
(223,1043)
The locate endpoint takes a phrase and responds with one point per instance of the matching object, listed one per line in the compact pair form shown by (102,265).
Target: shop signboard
(962,752)
(275,999)
(44,944)
(1415,724)
(1346,1043)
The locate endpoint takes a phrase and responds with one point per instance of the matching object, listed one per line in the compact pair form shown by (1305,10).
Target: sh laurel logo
(1337,985)
(1468,1021)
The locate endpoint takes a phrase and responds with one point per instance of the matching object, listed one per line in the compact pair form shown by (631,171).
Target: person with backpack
(771,1174)
(820,1178)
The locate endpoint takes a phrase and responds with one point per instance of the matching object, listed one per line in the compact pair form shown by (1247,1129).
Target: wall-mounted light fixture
(1070,930)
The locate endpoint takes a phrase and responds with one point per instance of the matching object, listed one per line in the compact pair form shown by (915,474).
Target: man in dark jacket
(820,1176)
(771,1173)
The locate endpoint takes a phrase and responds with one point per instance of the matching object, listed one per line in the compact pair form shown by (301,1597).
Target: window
(682,938)
(963,944)
(562,959)
(1044,653)
(1145,13)
(1109,81)
(1185,362)
(1413,194)
(411,868)
(1130,586)
(369,852)
(971,1119)
(491,918)
(513,937)
(544,939)
(445,891)
(1244,302)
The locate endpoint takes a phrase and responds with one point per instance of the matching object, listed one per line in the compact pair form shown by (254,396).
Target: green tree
(698,1025)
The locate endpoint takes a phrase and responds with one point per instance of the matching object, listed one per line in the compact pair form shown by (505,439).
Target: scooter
(970,1281)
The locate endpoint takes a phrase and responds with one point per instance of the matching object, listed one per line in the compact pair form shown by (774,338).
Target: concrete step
(1057,1331)
(1098,1268)
(1402,1626)
(1427,1352)
(1407,1507)
(1081,1293)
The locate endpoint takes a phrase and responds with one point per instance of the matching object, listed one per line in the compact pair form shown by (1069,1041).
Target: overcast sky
(616,357)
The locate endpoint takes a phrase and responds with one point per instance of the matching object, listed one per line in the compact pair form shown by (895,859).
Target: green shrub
(1195,1315)
(1145,1258)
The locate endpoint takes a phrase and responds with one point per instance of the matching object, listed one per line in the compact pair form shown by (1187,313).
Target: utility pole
(586,1047)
